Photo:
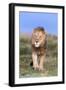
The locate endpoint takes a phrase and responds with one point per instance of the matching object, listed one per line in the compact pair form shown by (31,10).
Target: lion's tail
(31,63)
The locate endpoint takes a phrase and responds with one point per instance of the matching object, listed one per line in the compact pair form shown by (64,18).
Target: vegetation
(51,62)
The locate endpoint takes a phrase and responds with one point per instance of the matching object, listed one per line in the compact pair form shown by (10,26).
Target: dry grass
(51,62)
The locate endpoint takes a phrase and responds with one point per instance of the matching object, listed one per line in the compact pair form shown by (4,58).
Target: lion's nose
(37,41)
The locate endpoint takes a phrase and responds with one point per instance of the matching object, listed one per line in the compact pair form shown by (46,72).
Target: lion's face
(38,38)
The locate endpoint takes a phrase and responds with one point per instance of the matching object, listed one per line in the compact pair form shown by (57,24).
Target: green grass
(50,64)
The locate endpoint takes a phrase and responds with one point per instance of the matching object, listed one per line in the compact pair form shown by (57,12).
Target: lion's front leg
(42,58)
(35,61)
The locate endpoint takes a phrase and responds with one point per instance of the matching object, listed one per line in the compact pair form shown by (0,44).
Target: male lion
(38,48)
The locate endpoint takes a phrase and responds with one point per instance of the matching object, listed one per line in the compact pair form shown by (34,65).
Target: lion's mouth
(36,44)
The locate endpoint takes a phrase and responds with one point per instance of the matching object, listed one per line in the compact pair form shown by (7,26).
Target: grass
(50,64)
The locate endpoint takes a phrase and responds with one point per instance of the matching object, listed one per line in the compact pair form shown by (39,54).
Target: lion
(38,48)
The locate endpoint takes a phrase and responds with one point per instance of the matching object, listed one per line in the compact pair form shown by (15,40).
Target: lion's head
(38,37)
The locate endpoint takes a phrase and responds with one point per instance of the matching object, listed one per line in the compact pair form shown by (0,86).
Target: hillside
(51,62)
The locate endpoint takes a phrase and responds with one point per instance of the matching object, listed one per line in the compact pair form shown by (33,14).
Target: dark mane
(40,29)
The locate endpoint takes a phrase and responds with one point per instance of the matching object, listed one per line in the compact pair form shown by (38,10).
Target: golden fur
(38,47)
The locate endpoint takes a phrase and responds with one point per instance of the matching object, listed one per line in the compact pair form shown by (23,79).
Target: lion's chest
(39,51)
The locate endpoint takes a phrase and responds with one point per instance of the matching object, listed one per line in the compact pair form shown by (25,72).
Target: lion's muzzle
(37,44)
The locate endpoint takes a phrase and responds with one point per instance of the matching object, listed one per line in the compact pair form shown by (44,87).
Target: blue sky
(30,20)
